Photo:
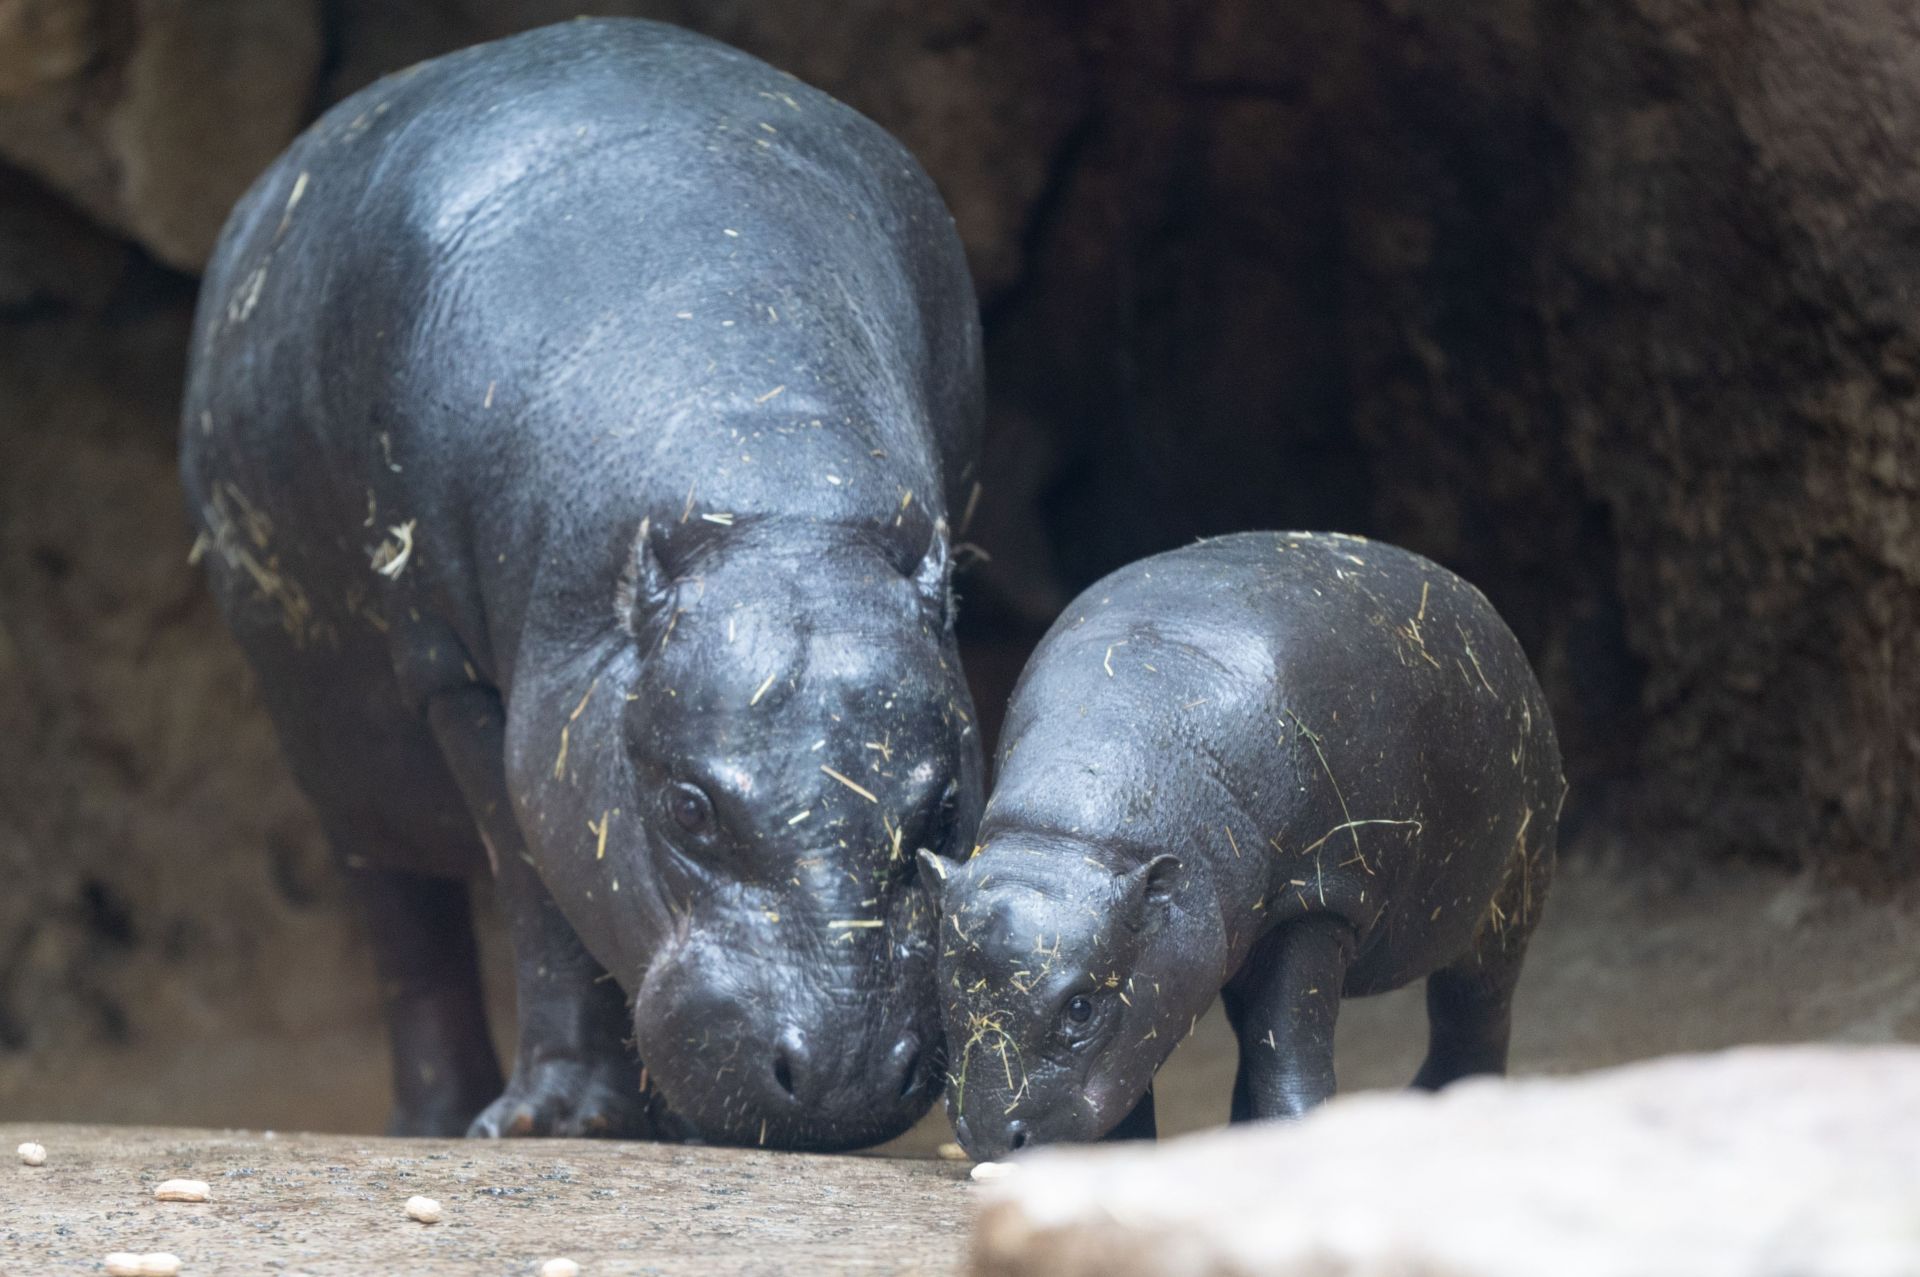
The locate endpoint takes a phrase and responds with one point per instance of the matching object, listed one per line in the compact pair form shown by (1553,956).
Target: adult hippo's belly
(571,430)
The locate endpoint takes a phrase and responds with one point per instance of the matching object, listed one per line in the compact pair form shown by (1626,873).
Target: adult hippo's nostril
(790,1064)
(1017,1136)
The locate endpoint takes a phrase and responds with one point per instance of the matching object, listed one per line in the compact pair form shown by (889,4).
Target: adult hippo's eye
(1079,1009)
(690,808)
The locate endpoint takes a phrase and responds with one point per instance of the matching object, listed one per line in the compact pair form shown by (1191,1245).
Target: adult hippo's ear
(645,593)
(1149,889)
(933,871)
(934,577)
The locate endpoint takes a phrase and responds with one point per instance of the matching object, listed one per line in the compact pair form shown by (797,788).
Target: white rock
(32,1154)
(122,1263)
(991,1170)
(424,1209)
(559,1268)
(1799,1160)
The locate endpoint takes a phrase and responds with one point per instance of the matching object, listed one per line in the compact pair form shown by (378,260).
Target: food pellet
(559,1268)
(123,1263)
(32,1154)
(992,1170)
(424,1209)
(951,1153)
(183,1190)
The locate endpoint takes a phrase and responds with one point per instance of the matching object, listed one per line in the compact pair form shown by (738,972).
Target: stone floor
(319,1205)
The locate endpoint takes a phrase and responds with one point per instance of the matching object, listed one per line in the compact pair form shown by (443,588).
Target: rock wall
(1607,304)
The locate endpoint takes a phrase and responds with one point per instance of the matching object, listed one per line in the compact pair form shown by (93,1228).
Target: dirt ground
(1628,963)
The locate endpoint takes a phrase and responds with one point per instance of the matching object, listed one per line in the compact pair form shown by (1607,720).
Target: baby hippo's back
(1311,723)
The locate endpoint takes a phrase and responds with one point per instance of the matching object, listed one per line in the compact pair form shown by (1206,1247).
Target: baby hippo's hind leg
(1470,1002)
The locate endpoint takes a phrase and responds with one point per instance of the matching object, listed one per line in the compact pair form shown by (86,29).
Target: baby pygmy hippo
(1283,767)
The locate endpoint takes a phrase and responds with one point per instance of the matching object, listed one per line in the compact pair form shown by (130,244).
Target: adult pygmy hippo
(571,431)
(1280,767)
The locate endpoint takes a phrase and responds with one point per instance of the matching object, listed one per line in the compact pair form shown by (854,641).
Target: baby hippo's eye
(690,808)
(1077,1016)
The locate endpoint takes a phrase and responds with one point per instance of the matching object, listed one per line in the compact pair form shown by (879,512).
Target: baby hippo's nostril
(904,1061)
(790,1071)
(1017,1137)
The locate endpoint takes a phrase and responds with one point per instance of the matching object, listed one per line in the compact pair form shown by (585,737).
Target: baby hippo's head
(1064,984)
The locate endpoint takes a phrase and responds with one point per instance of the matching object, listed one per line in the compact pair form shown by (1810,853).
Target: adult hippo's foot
(571,1099)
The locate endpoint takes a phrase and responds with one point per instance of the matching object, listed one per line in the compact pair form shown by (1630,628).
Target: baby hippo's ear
(1149,888)
(645,588)
(933,871)
(934,577)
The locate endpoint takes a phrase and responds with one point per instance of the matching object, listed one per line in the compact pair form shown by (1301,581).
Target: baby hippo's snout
(994,1140)
(989,1136)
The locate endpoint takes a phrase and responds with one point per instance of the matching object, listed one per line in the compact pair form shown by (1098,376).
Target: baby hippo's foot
(570,1098)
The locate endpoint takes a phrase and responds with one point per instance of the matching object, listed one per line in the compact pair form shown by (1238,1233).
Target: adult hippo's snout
(811,1082)
(752,1054)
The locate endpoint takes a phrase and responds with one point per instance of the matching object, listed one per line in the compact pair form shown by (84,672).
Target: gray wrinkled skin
(1282,768)
(571,432)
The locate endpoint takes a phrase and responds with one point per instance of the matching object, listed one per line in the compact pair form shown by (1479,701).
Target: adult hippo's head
(793,727)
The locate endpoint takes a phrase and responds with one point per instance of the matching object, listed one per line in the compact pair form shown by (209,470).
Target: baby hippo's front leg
(1138,1124)
(1283,1005)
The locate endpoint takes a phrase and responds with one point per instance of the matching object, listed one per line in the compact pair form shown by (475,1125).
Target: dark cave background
(1608,305)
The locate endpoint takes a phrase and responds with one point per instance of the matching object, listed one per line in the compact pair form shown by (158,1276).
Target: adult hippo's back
(571,429)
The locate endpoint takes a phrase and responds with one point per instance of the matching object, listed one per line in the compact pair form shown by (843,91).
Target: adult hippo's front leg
(573,1073)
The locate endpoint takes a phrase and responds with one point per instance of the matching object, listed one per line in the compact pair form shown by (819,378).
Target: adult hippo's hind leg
(1470,1002)
(444,1070)
(399,832)
(1283,1005)
(573,1072)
